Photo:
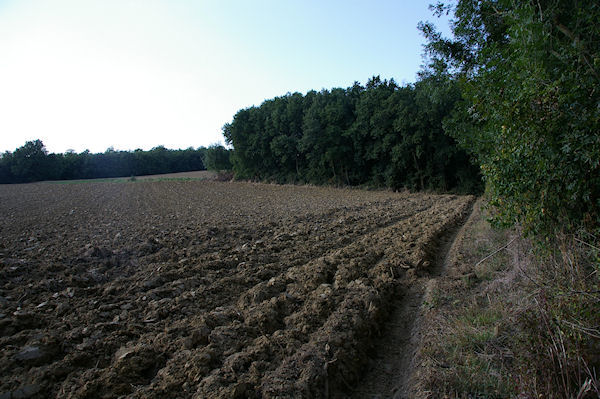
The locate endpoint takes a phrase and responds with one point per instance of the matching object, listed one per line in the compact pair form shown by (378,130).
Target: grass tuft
(520,320)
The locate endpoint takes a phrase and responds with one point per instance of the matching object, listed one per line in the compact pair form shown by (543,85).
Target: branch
(567,32)
(495,252)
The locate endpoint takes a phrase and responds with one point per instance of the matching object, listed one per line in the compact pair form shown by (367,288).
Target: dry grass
(512,320)
(561,322)
(463,353)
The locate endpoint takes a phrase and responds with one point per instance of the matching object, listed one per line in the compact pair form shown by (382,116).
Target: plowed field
(201,289)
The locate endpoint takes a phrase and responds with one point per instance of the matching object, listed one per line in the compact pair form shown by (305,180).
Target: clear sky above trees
(130,74)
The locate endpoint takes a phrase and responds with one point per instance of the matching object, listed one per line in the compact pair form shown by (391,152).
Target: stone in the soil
(26,391)
(29,353)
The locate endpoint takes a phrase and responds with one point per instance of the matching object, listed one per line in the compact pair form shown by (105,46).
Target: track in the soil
(203,289)
(390,367)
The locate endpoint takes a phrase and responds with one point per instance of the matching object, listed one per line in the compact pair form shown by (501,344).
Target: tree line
(529,113)
(32,162)
(380,134)
(514,90)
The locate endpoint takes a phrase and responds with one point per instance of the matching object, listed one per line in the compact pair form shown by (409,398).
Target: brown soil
(201,289)
(197,174)
(389,370)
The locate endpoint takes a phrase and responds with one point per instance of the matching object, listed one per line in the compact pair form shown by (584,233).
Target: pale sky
(93,74)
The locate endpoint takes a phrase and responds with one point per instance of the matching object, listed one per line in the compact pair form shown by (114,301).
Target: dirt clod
(202,289)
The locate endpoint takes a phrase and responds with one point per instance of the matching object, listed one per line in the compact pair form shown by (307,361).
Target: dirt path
(389,370)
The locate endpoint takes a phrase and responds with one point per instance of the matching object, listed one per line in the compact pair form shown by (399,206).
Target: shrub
(529,73)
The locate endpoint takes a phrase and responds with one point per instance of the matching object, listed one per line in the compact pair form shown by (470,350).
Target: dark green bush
(529,73)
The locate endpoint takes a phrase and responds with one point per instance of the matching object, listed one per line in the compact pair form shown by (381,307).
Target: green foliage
(529,74)
(31,162)
(216,157)
(379,135)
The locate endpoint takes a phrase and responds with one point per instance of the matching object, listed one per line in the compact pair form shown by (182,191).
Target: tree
(6,175)
(29,162)
(376,135)
(529,73)
(216,157)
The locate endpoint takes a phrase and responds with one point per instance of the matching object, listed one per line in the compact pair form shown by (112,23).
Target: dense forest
(32,162)
(380,135)
(528,73)
(515,90)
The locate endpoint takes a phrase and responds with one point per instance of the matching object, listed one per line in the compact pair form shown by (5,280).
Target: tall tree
(529,72)
(217,157)
(380,135)
(29,162)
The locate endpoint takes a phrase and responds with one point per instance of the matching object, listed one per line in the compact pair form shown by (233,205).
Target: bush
(529,73)
(217,157)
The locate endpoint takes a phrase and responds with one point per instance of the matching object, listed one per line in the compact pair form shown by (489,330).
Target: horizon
(118,74)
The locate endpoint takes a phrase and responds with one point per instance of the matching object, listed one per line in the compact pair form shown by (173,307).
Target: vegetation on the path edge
(529,113)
